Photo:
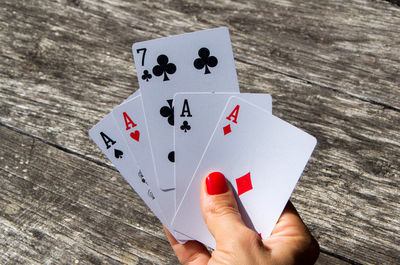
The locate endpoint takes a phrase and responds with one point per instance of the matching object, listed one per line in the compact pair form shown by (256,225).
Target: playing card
(196,115)
(194,62)
(261,156)
(131,122)
(108,138)
(134,94)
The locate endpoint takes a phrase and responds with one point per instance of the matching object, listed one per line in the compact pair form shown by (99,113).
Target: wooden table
(332,68)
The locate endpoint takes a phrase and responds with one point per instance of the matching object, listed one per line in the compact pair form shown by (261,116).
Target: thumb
(219,208)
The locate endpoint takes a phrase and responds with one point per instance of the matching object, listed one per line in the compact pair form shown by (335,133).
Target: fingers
(290,218)
(219,208)
(309,251)
(290,241)
(192,252)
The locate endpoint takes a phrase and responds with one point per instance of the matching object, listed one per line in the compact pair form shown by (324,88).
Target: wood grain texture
(332,69)
(325,259)
(60,208)
(51,211)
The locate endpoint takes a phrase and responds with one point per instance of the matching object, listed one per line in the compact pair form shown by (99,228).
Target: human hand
(290,241)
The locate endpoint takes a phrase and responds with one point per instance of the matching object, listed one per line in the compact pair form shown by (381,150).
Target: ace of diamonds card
(261,156)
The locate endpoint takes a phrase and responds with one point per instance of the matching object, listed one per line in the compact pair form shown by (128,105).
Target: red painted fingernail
(216,183)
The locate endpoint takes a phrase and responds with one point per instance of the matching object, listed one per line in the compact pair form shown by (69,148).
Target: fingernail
(216,183)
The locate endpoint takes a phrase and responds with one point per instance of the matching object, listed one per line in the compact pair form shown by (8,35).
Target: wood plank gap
(329,253)
(85,206)
(73,153)
(93,209)
(60,147)
(394,2)
(364,99)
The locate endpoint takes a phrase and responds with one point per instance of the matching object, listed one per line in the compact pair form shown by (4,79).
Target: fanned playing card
(261,156)
(196,115)
(131,122)
(194,62)
(108,138)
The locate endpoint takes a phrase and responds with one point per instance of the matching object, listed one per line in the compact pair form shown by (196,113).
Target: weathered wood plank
(344,45)
(325,259)
(51,222)
(349,46)
(65,64)
(59,208)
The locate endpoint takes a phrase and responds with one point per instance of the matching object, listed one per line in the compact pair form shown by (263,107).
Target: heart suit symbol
(135,135)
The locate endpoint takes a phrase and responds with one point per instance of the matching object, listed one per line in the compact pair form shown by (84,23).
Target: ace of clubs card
(196,115)
(261,156)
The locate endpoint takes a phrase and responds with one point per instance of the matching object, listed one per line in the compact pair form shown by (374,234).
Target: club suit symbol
(146,75)
(164,67)
(185,126)
(205,60)
(168,112)
(171,156)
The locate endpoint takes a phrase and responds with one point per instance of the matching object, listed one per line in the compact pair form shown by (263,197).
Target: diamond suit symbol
(227,129)
(244,184)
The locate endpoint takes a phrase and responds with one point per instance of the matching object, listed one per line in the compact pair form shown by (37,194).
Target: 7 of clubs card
(194,62)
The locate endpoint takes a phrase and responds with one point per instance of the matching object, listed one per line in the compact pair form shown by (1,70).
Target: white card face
(109,139)
(262,157)
(135,94)
(196,115)
(131,122)
(193,62)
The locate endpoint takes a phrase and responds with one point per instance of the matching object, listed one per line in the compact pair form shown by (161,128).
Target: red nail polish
(216,183)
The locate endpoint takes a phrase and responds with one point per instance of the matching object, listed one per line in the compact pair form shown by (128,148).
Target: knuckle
(193,259)
(242,240)
(222,207)
(223,210)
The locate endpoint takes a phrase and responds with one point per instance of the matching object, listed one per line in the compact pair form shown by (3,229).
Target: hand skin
(290,242)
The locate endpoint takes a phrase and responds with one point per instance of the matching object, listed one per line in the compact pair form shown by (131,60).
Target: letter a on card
(234,114)
(128,121)
(186,109)
(107,140)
